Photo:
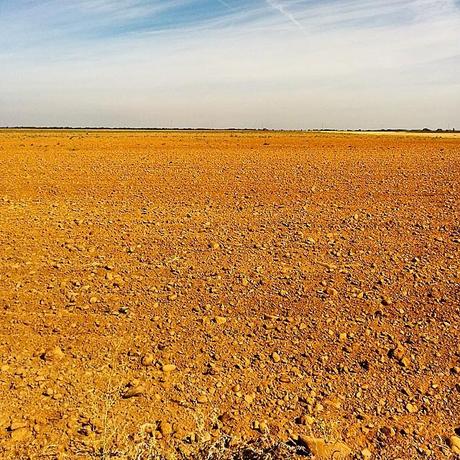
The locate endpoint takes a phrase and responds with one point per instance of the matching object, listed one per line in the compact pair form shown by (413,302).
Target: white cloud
(351,63)
(278,6)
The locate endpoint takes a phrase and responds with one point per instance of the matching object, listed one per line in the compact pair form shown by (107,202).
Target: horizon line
(203,128)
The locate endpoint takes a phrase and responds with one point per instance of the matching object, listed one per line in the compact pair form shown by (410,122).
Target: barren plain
(163,292)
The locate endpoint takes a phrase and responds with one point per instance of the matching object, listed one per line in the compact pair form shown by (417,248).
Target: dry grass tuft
(223,449)
(261,449)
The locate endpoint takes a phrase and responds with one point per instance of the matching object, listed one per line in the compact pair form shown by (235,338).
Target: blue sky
(230,63)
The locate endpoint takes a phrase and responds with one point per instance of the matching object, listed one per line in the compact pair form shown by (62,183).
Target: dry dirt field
(161,292)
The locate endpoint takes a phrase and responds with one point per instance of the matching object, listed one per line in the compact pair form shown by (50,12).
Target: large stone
(133,391)
(323,450)
(454,443)
(53,354)
(22,434)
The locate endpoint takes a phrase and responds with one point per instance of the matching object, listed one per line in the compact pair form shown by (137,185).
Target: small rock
(48,392)
(276,357)
(454,444)
(148,359)
(411,408)
(249,398)
(331,292)
(405,361)
(325,451)
(220,320)
(285,378)
(53,354)
(21,434)
(165,428)
(400,354)
(386,301)
(133,391)
(260,426)
(305,420)
(169,367)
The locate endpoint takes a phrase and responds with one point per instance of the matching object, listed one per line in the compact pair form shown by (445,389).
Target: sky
(287,64)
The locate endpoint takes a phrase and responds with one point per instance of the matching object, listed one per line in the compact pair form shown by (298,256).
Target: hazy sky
(230,63)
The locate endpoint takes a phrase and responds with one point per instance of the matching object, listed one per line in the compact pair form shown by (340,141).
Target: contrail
(278,7)
(224,3)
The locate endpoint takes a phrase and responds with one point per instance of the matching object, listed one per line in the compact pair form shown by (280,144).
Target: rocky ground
(163,292)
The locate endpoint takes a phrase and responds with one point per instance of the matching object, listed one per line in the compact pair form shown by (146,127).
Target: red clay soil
(161,292)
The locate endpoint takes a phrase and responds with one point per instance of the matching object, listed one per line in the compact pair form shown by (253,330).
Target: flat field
(161,290)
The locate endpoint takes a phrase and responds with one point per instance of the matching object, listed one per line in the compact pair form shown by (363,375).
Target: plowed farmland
(163,292)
